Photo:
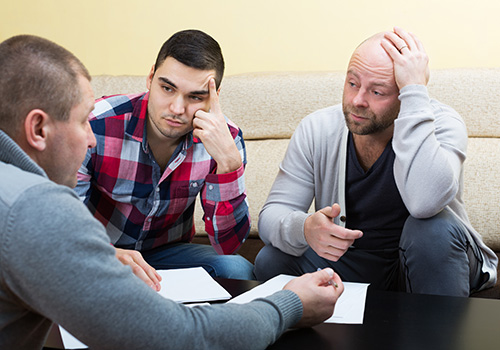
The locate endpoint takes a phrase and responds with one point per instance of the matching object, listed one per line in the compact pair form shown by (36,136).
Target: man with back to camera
(56,261)
(386,172)
(156,152)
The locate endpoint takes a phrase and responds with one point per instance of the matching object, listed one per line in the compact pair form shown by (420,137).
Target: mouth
(357,118)
(174,122)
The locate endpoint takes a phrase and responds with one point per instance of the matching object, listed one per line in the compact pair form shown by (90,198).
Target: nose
(359,99)
(177,105)
(91,141)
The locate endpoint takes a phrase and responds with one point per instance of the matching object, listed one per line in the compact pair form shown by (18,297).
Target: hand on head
(211,128)
(328,240)
(318,294)
(411,63)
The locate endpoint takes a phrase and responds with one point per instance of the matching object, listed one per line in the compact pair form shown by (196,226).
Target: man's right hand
(139,266)
(318,292)
(328,240)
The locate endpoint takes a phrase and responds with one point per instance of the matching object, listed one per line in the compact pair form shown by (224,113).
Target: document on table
(191,285)
(350,307)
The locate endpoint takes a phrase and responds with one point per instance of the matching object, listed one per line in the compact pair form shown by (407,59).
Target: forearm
(80,285)
(227,219)
(429,143)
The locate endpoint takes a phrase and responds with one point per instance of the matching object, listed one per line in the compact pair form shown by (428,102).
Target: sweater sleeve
(281,220)
(430,141)
(57,260)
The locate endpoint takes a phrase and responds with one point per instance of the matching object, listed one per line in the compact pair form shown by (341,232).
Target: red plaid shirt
(143,208)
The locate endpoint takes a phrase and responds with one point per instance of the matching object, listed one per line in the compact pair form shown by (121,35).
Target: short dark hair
(36,73)
(195,49)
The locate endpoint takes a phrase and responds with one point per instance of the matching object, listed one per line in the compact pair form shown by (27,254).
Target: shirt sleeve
(430,141)
(224,200)
(62,266)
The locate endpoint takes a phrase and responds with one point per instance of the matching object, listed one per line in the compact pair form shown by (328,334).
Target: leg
(183,255)
(379,268)
(438,256)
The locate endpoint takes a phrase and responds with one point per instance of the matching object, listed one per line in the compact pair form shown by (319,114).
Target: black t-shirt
(373,202)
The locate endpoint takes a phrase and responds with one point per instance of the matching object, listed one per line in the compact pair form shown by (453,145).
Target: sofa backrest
(269,106)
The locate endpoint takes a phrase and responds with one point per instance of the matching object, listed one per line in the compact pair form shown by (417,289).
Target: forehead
(370,62)
(86,103)
(184,77)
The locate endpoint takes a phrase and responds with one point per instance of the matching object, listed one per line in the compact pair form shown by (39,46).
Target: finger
(139,272)
(391,50)
(150,271)
(214,97)
(340,285)
(396,41)
(418,43)
(403,34)
(335,210)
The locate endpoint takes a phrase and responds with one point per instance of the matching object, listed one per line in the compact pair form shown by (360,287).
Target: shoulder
(327,121)
(15,181)
(115,105)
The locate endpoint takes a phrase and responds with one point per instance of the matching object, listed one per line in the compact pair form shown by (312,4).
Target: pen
(330,282)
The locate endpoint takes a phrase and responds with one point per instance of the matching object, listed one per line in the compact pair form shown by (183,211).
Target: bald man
(385,169)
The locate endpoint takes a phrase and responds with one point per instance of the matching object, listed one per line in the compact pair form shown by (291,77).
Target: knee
(436,233)
(271,262)
(233,266)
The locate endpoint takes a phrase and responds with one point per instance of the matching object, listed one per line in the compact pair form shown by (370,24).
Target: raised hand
(411,63)
(328,240)
(211,128)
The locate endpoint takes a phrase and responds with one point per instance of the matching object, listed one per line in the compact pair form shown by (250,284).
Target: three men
(57,263)
(156,152)
(385,171)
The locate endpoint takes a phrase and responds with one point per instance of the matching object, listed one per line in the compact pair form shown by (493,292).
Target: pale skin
(182,99)
(379,68)
(318,292)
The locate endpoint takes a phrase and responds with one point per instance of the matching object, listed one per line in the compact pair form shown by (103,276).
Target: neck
(370,147)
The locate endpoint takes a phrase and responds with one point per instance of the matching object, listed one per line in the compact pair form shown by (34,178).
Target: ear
(150,77)
(36,127)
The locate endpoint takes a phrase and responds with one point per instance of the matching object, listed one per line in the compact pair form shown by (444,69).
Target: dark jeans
(435,256)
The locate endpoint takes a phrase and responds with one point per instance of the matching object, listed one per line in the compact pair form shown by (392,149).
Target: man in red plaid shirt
(155,152)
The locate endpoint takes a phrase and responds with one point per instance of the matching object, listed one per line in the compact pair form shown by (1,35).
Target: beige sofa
(268,107)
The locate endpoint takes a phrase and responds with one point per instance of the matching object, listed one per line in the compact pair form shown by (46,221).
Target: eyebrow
(197,92)
(374,83)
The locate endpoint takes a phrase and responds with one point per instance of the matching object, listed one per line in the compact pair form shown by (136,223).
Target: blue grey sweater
(57,265)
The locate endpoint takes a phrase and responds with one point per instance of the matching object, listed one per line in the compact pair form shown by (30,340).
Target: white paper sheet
(191,285)
(69,341)
(350,307)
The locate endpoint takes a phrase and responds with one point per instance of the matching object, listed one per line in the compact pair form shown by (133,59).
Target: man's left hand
(411,63)
(211,128)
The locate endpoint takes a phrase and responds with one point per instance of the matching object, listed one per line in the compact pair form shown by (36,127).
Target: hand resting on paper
(318,294)
(139,266)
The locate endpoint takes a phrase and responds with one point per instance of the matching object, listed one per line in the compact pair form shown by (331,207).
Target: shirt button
(343,218)
(157,189)
(194,184)
(210,187)
(149,219)
(208,218)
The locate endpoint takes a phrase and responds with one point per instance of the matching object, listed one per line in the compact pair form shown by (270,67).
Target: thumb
(331,212)
(324,276)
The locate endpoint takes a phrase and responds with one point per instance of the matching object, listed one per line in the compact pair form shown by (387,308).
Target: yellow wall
(123,36)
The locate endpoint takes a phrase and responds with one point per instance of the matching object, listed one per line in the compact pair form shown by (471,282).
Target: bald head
(370,55)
